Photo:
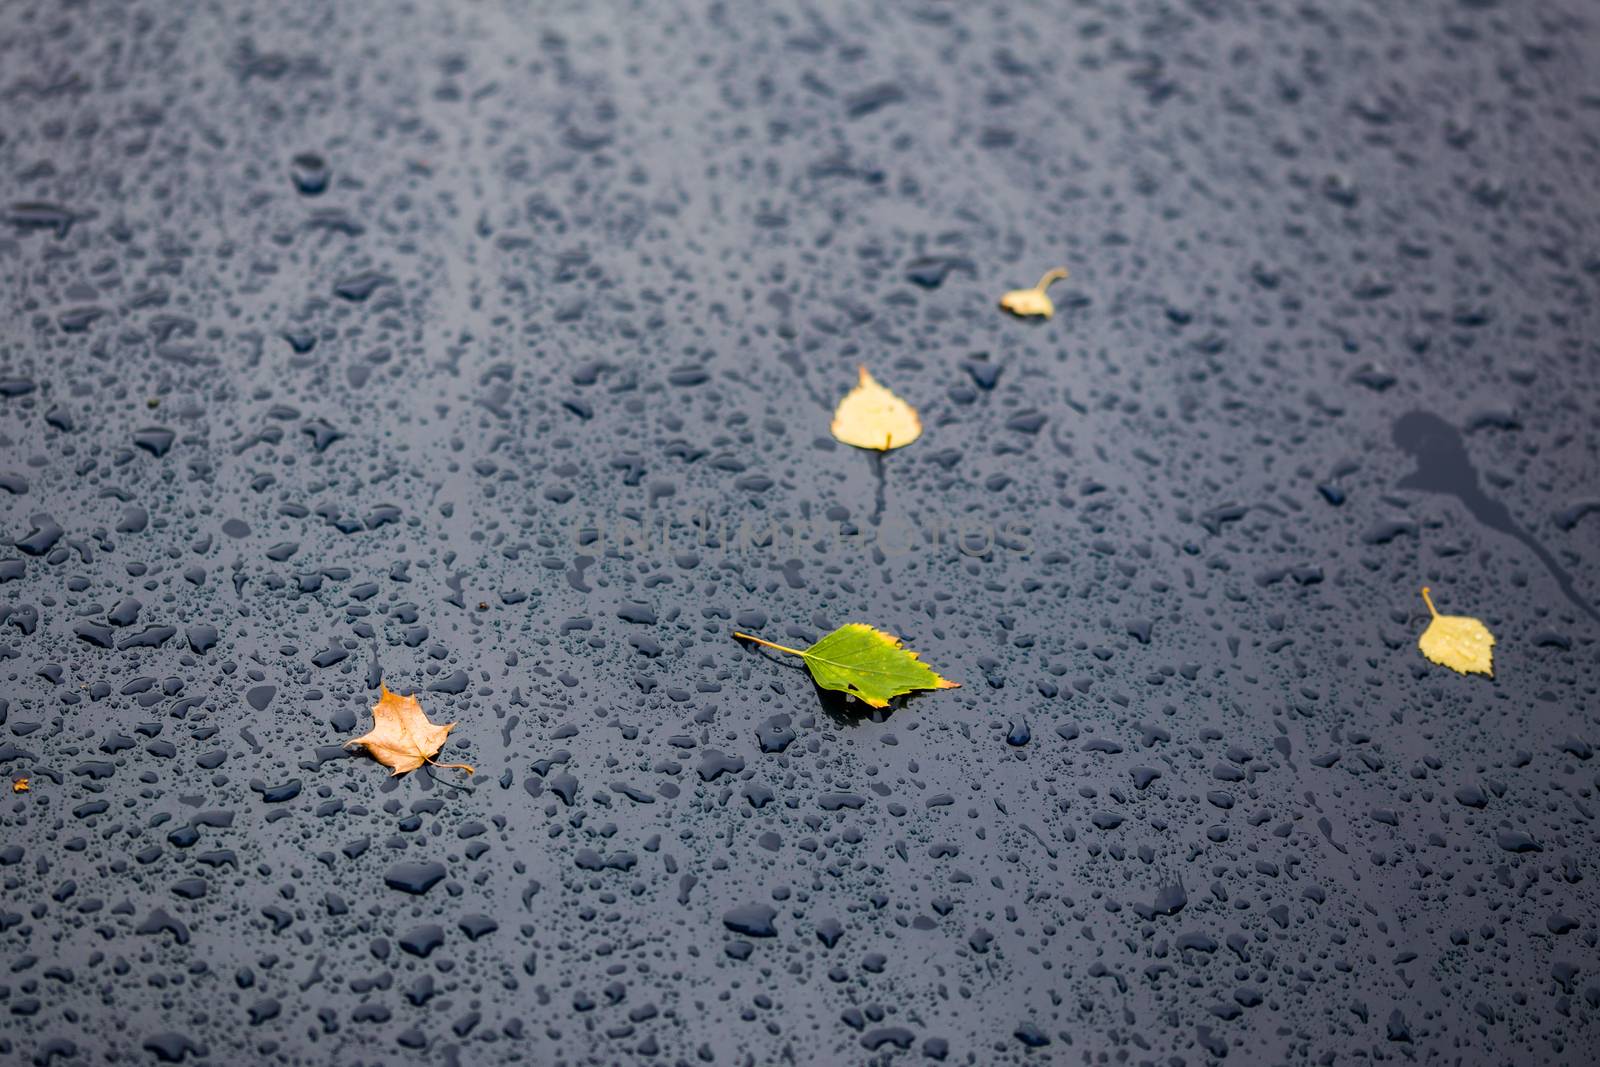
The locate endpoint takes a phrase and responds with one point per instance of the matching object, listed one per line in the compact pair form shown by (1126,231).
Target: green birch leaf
(868,664)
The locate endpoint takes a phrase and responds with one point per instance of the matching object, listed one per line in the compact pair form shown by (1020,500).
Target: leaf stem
(769,644)
(469,768)
(448,785)
(1050,277)
(1428,600)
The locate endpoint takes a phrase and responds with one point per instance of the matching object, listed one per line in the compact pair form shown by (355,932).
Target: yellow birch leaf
(870,416)
(1459,642)
(1029,303)
(401,737)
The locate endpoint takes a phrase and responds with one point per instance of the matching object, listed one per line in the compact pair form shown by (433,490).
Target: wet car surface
(487,351)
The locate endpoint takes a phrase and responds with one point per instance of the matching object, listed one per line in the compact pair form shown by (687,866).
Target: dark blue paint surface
(489,349)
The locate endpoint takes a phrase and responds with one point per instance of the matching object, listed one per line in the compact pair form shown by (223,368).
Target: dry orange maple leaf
(401,737)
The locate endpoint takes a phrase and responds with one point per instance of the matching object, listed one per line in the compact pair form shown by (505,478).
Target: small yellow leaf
(1030,303)
(1459,642)
(20,786)
(870,416)
(401,737)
